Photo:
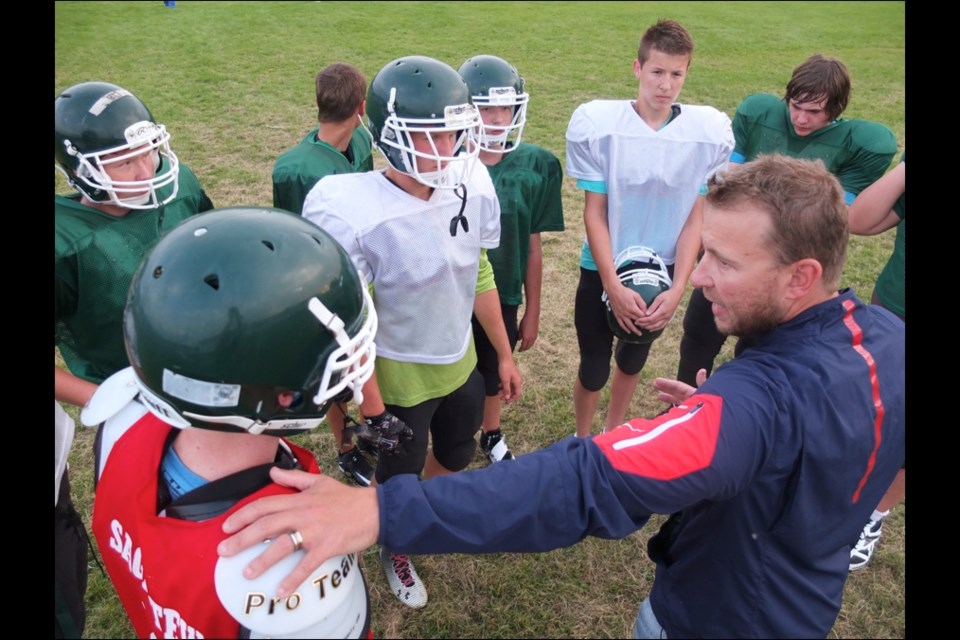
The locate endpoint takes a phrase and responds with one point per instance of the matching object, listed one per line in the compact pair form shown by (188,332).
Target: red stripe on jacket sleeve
(669,446)
(856,334)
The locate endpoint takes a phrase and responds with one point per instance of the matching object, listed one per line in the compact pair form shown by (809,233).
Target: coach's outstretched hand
(676,392)
(332,519)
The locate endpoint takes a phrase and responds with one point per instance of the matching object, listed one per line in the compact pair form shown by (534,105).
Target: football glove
(386,431)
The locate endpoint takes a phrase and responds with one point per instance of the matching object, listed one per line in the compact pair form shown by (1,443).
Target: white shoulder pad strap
(115,409)
(331,603)
(110,397)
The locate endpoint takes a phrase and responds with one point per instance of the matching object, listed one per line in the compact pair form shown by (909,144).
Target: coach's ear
(362,109)
(806,274)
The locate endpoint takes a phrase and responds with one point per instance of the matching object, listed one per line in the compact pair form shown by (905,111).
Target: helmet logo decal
(206,394)
(460,116)
(141,133)
(107,99)
(505,96)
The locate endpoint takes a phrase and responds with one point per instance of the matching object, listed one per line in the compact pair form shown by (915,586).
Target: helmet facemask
(92,179)
(351,363)
(451,170)
(507,137)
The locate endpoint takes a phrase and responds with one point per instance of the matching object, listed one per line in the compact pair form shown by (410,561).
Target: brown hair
(341,87)
(818,78)
(805,203)
(668,37)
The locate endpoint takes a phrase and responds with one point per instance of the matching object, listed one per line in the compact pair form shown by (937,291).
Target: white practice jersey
(652,178)
(424,277)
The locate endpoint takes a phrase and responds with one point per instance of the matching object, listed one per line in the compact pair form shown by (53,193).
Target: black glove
(386,431)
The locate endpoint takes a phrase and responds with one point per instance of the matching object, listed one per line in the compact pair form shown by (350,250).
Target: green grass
(233,82)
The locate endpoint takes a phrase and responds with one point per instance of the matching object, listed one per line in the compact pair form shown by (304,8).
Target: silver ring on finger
(297,539)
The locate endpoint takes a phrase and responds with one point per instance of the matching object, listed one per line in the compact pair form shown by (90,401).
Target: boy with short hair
(642,165)
(339,144)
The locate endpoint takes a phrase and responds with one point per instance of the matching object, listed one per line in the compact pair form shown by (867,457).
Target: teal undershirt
(178,478)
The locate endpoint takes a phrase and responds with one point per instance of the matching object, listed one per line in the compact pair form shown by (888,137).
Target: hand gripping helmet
(494,82)
(417,94)
(248,319)
(96,125)
(642,270)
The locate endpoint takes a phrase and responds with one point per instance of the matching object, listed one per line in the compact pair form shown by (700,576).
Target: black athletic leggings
(596,339)
(452,421)
(701,341)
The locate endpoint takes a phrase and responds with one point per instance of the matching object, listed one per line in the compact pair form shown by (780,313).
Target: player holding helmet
(419,232)
(242,327)
(641,164)
(528,179)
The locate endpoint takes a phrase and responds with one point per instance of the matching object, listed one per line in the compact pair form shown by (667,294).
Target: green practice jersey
(96,255)
(856,151)
(298,170)
(528,182)
(890,283)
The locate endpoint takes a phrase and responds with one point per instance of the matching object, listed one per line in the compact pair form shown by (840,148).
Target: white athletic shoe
(495,446)
(403,579)
(862,552)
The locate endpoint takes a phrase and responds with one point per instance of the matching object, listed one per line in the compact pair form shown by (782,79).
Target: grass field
(233,82)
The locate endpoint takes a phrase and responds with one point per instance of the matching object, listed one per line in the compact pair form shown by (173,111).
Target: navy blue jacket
(771,470)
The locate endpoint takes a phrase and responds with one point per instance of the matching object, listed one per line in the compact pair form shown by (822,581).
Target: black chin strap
(462,219)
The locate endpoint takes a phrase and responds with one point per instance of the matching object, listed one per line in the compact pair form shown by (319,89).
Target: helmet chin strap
(135,201)
(433,178)
(498,139)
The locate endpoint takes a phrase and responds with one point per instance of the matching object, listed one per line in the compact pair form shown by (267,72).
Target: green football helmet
(417,94)
(494,82)
(97,124)
(641,270)
(248,319)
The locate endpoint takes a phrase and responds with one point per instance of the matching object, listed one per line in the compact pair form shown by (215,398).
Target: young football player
(528,180)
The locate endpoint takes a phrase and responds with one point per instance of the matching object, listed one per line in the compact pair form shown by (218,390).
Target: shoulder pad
(111,396)
(330,603)
(873,137)
(758,103)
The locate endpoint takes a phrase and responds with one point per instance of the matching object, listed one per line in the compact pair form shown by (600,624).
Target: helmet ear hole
(290,400)
(213,281)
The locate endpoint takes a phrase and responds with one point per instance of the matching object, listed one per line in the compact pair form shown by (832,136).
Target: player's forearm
(533,278)
(486,306)
(598,236)
(372,400)
(872,212)
(688,245)
(71,389)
